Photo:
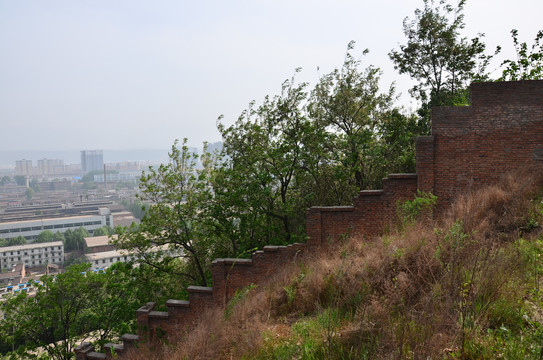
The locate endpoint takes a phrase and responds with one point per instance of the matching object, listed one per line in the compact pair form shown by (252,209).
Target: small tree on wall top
(439,58)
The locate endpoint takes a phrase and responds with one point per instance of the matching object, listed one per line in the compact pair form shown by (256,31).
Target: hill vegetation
(463,285)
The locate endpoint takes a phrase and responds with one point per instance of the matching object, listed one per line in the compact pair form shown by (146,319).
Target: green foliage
(136,207)
(305,148)
(449,243)
(529,63)
(74,239)
(175,225)
(258,191)
(359,122)
(53,319)
(421,206)
(5,180)
(292,288)
(70,307)
(29,193)
(34,185)
(19,240)
(310,339)
(45,236)
(239,296)
(20,180)
(438,58)
(103,231)
(58,236)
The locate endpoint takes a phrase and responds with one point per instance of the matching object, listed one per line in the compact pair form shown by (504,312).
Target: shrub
(421,206)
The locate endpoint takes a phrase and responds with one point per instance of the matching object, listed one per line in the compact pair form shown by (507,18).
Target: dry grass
(419,293)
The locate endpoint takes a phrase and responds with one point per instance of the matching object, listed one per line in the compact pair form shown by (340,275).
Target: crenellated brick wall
(472,146)
(372,212)
(469,147)
(228,275)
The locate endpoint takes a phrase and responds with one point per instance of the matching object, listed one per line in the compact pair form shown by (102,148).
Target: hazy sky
(122,74)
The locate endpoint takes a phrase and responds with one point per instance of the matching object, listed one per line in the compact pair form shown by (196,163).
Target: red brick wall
(472,146)
(372,212)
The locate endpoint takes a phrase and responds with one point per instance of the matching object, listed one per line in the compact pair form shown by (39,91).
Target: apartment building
(32,255)
(105,259)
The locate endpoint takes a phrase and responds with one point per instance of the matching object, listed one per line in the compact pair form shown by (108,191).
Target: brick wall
(472,146)
(228,276)
(372,212)
(469,147)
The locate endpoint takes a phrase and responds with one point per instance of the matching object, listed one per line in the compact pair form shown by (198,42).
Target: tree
(257,190)
(53,318)
(59,237)
(45,236)
(68,306)
(29,193)
(438,58)
(529,64)
(74,239)
(348,104)
(174,226)
(103,231)
(20,180)
(19,240)
(136,207)
(5,180)
(34,185)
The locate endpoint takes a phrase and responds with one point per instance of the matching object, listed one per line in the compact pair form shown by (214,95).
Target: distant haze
(135,74)
(8,158)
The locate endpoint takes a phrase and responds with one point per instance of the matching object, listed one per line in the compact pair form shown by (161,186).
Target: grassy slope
(466,286)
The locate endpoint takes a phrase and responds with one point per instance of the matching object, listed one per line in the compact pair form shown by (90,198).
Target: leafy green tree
(58,236)
(20,180)
(529,63)
(257,189)
(111,313)
(103,231)
(136,207)
(29,193)
(67,307)
(174,226)
(119,229)
(53,318)
(74,239)
(5,180)
(439,58)
(348,104)
(34,185)
(19,240)
(45,236)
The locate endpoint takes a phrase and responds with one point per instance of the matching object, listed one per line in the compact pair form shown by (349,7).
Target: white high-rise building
(24,167)
(92,160)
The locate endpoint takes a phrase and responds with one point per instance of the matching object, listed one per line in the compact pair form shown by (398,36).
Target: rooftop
(98,240)
(31,246)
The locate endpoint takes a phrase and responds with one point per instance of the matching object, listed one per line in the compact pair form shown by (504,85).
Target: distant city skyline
(8,159)
(138,74)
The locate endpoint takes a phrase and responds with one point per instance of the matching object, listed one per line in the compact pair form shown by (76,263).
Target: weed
(421,206)
(237,298)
